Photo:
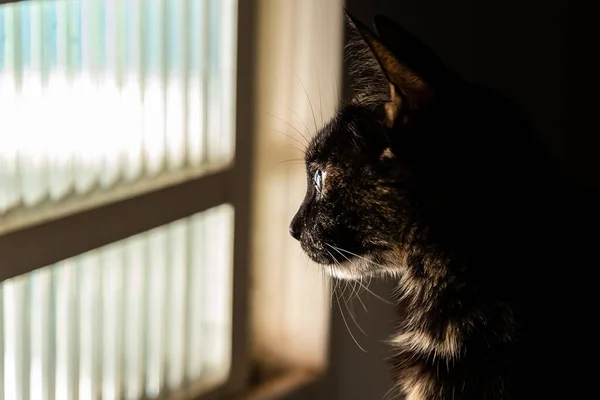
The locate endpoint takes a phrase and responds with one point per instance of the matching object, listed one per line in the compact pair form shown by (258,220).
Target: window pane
(100,93)
(140,317)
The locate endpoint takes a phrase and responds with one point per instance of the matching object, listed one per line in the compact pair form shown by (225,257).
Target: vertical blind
(97,93)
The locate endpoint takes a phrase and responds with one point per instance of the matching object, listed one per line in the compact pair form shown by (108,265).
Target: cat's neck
(441,316)
(441,306)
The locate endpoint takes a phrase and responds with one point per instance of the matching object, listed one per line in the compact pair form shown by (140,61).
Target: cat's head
(391,161)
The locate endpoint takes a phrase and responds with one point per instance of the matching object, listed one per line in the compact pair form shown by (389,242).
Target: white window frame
(299,62)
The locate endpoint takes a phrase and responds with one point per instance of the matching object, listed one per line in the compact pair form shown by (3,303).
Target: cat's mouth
(340,263)
(324,254)
(322,257)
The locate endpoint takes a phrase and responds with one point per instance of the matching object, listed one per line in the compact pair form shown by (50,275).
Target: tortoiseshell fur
(443,185)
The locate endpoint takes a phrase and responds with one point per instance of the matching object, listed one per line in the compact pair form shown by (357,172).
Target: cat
(442,185)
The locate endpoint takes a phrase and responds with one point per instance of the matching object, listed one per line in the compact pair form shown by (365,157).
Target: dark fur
(493,250)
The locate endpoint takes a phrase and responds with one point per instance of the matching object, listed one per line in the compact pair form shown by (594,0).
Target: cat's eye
(318,178)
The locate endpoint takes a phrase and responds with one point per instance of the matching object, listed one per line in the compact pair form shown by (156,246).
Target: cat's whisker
(348,327)
(359,281)
(335,260)
(359,285)
(346,301)
(303,123)
(291,146)
(336,249)
(354,320)
(293,161)
(291,137)
(336,88)
(288,124)
(327,286)
(324,282)
(307,97)
(356,255)
(345,287)
(375,295)
(333,290)
(339,265)
(355,292)
(349,299)
(320,100)
(345,282)
(325,279)
(357,295)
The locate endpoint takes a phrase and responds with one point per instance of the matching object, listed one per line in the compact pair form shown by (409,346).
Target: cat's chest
(445,344)
(415,392)
(417,352)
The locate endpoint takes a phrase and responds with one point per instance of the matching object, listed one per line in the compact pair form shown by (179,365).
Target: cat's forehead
(323,141)
(336,138)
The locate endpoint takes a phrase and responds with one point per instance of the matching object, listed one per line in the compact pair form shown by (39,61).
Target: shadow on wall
(532,52)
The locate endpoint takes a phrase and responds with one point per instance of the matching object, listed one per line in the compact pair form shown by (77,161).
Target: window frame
(289,304)
(55,233)
(155,203)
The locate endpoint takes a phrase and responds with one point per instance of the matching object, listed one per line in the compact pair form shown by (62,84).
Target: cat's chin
(389,264)
(340,272)
(352,266)
(339,269)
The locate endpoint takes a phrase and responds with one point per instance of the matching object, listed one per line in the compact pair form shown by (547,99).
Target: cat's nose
(295,229)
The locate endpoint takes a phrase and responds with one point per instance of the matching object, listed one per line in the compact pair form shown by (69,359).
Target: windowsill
(295,384)
(283,386)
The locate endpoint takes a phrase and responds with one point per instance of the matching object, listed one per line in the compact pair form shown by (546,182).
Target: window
(143,204)
(139,317)
(117,144)
(134,89)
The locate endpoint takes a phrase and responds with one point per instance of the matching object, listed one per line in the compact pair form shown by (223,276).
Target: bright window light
(135,319)
(98,93)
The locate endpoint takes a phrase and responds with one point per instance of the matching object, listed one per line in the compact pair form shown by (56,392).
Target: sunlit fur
(456,200)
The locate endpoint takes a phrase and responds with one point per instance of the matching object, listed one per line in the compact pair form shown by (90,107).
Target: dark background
(539,53)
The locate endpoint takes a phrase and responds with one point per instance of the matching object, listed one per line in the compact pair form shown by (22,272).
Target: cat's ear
(414,54)
(409,76)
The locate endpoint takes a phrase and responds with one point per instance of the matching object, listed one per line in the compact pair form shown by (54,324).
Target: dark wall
(361,373)
(540,54)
